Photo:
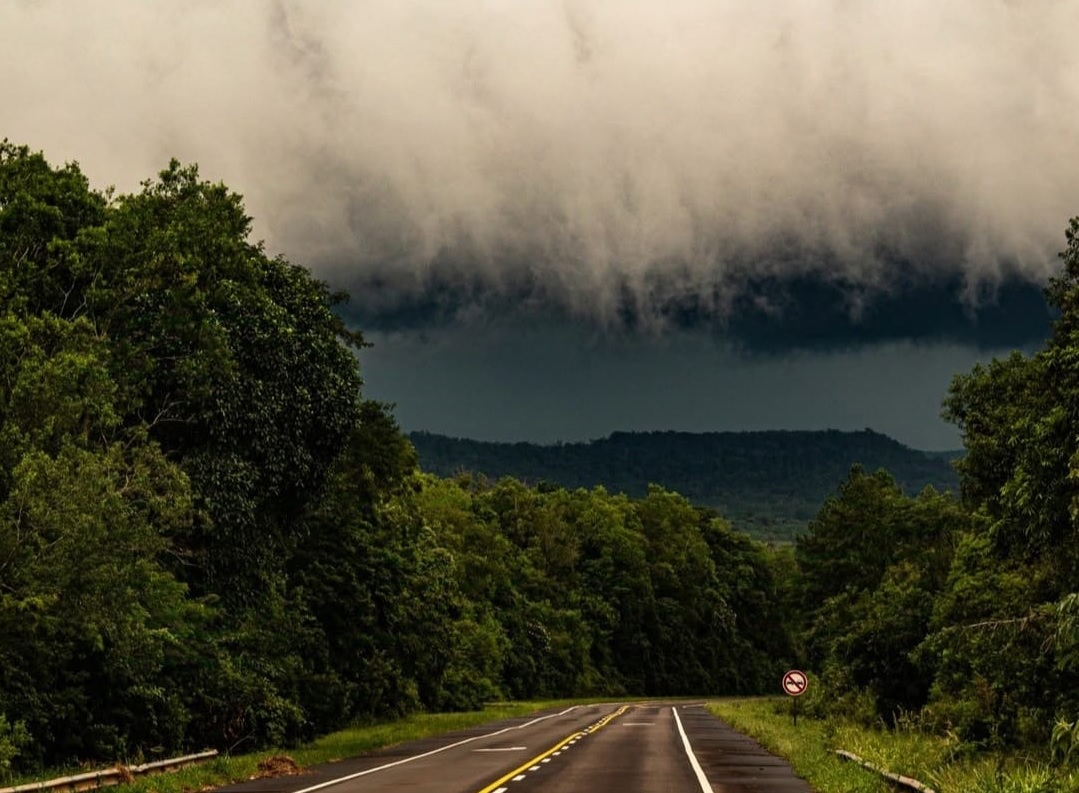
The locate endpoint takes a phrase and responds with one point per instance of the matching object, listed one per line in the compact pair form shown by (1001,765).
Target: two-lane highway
(642,751)
(630,748)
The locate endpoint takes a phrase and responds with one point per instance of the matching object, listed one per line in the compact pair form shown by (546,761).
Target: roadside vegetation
(330,748)
(961,617)
(939,761)
(210,538)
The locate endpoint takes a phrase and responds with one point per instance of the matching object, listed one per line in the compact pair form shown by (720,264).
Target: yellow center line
(539,758)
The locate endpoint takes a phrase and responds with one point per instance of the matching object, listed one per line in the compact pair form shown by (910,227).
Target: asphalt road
(610,748)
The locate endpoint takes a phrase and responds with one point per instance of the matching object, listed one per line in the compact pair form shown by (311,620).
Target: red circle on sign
(795,682)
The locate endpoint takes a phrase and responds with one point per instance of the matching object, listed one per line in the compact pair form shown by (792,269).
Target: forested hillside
(768,483)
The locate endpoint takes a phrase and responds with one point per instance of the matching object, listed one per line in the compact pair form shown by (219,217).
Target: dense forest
(768,484)
(963,617)
(209,537)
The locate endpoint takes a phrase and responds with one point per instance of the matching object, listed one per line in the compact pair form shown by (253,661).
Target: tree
(90,621)
(143,337)
(42,211)
(89,618)
(853,538)
(234,360)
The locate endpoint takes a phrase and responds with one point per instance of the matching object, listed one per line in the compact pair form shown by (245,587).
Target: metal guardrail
(898,779)
(110,776)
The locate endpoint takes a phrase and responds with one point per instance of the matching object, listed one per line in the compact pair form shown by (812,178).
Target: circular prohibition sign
(795,682)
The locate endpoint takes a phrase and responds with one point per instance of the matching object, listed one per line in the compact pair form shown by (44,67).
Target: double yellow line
(541,757)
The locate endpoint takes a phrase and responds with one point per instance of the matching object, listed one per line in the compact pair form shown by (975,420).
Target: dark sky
(512,373)
(564,217)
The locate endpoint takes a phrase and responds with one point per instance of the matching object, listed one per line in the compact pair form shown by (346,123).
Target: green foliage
(923,615)
(42,210)
(935,760)
(583,592)
(871,566)
(89,617)
(964,614)
(854,537)
(235,362)
(13,737)
(170,400)
(1065,739)
(770,484)
(1005,622)
(808,748)
(1067,638)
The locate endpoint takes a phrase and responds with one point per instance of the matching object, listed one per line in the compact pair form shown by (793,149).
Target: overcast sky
(558,219)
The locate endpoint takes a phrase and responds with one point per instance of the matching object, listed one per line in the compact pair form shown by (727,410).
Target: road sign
(794,683)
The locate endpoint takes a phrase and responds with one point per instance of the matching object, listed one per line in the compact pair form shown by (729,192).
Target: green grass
(807,747)
(335,746)
(934,760)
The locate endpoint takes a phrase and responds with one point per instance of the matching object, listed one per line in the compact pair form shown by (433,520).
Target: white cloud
(594,141)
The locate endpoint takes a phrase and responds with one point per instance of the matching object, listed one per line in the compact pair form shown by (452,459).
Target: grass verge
(335,746)
(931,759)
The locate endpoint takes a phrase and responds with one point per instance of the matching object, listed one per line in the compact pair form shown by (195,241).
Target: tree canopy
(964,612)
(208,536)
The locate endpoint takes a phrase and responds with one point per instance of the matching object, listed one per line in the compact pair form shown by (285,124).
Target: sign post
(794,685)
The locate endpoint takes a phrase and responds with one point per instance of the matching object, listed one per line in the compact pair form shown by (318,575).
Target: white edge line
(701,778)
(404,760)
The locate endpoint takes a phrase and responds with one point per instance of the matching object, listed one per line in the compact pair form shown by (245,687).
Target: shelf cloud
(787,173)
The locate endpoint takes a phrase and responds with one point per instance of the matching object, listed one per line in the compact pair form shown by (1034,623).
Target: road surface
(609,748)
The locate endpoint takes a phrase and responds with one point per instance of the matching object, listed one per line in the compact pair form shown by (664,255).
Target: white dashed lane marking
(404,760)
(503,749)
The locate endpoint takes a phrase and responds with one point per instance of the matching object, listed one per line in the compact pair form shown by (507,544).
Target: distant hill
(770,484)
(947,455)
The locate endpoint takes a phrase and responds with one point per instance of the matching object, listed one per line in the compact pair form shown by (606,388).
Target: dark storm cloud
(768,315)
(816,315)
(807,173)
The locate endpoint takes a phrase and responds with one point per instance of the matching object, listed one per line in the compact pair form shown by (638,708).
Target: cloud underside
(779,174)
(757,315)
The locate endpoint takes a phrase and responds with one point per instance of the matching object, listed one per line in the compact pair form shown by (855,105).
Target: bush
(13,737)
